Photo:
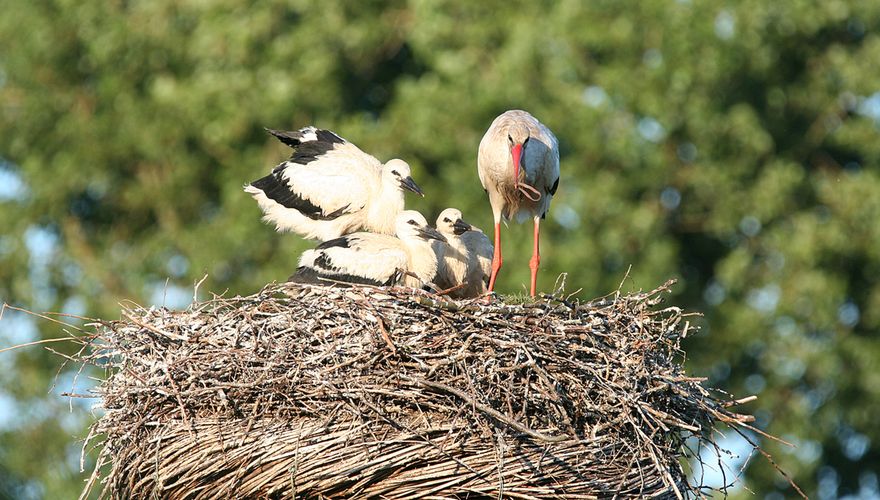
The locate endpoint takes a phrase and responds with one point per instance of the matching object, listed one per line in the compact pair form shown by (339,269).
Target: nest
(320,392)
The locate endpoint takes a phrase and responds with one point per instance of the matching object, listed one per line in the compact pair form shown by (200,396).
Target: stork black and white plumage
(464,259)
(329,187)
(518,164)
(375,259)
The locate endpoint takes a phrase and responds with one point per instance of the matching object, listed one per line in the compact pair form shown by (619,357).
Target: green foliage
(731,145)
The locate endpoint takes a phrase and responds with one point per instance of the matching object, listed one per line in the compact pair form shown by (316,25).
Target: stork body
(518,165)
(375,259)
(329,187)
(480,251)
(452,255)
(462,258)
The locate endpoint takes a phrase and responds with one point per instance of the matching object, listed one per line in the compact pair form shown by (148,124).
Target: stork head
(397,172)
(411,224)
(517,137)
(449,222)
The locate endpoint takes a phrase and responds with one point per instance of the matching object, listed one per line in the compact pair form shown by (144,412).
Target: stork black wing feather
(554,187)
(291,138)
(341,242)
(276,188)
(308,275)
(306,149)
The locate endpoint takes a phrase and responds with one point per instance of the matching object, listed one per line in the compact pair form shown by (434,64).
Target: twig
(487,410)
(385,334)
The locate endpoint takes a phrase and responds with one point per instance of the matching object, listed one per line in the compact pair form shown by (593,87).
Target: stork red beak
(516,153)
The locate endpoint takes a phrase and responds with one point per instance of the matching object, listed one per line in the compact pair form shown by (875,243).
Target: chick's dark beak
(460,227)
(409,184)
(428,232)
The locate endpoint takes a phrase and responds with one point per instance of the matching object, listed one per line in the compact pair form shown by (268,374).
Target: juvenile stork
(518,164)
(329,187)
(375,259)
(465,258)
(480,261)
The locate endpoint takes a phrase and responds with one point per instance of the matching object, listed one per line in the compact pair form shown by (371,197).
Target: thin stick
(487,410)
(46,341)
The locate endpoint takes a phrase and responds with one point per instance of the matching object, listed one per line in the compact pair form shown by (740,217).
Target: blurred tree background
(732,145)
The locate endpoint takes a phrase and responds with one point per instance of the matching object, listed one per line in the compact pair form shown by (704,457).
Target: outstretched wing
(325,177)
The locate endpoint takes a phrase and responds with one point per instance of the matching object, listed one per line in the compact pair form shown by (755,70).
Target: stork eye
(414,223)
(509,139)
(395,172)
(447,220)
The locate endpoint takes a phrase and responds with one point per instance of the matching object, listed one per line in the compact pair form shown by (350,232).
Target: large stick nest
(320,392)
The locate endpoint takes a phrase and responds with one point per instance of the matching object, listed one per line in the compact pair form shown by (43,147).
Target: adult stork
(465,258)
(329,187)
(518,164)
(375,259)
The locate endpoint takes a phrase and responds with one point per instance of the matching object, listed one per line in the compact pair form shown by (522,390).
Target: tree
(730,145)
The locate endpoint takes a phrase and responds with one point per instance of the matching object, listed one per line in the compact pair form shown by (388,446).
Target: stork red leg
(536,259)
(496,258)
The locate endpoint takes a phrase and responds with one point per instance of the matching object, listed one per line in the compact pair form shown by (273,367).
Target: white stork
(452,255)
(375,259)
(480,251)
(465,258)
(518,164)
(329,187)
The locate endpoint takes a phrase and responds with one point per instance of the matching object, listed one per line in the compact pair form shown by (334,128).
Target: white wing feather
(332,183)
(373,256)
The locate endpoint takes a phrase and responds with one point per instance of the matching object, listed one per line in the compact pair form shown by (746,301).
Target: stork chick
(460,260)
(452,256)
(518,165)
(480,251)
(375,259)
(329,187)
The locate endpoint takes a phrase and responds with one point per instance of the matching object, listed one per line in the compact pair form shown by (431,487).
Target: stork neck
(421,257)
(384,208)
